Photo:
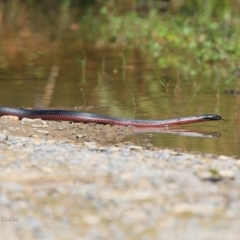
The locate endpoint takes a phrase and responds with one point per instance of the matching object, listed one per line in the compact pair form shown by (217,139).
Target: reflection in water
(48,92)
(180,132)
(122,83)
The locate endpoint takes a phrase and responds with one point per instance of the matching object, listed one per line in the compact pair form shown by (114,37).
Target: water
(126,84)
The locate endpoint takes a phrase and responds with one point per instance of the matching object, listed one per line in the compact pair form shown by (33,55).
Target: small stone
(88,143)
(10,118)
(43,132)
(26,120)
(136,148)
(36,120)
(13,129)
(91,145)
(81,136)
(196,161)
(113,149)
(91,219)
(3,137)
(224,158)
(40,125)
(102,149)
(5,132)
(4,200)
(174,153)
(238,163)
(34,136)
(208,175)
(226,174)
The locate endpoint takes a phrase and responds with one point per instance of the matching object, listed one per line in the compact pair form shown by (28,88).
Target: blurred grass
(183,34)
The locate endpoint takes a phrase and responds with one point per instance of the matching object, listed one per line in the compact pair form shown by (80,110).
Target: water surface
(123,83)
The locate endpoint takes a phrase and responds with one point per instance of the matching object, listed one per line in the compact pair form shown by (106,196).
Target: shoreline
(60,190)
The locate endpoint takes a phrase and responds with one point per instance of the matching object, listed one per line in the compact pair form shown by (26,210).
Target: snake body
(66,115)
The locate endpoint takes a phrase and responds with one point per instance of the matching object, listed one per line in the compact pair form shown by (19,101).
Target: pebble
(3,137)
(110,192)
(209,176)
(81,135)
(43,132)
(4,200)
(113,149)
(223,158)
(136,148)
(10,118)
(226,174)
(39,125)
(91,145)
(238,163)
(34,136)
(26,120)
(36,120)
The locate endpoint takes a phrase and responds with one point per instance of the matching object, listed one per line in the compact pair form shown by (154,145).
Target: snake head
(213,117)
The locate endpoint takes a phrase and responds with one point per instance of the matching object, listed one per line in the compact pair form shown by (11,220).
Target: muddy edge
(61,180)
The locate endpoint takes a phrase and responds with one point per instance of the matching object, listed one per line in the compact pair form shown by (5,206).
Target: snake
(82,117)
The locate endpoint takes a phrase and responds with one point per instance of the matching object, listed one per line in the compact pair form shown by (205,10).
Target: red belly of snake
(66,115)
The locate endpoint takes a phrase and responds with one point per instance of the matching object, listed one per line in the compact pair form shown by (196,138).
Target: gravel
(56,189)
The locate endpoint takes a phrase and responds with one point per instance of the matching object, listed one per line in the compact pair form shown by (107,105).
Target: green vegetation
(182,34)
(185,35)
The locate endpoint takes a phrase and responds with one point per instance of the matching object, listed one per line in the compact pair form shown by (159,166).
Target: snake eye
(217,117)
